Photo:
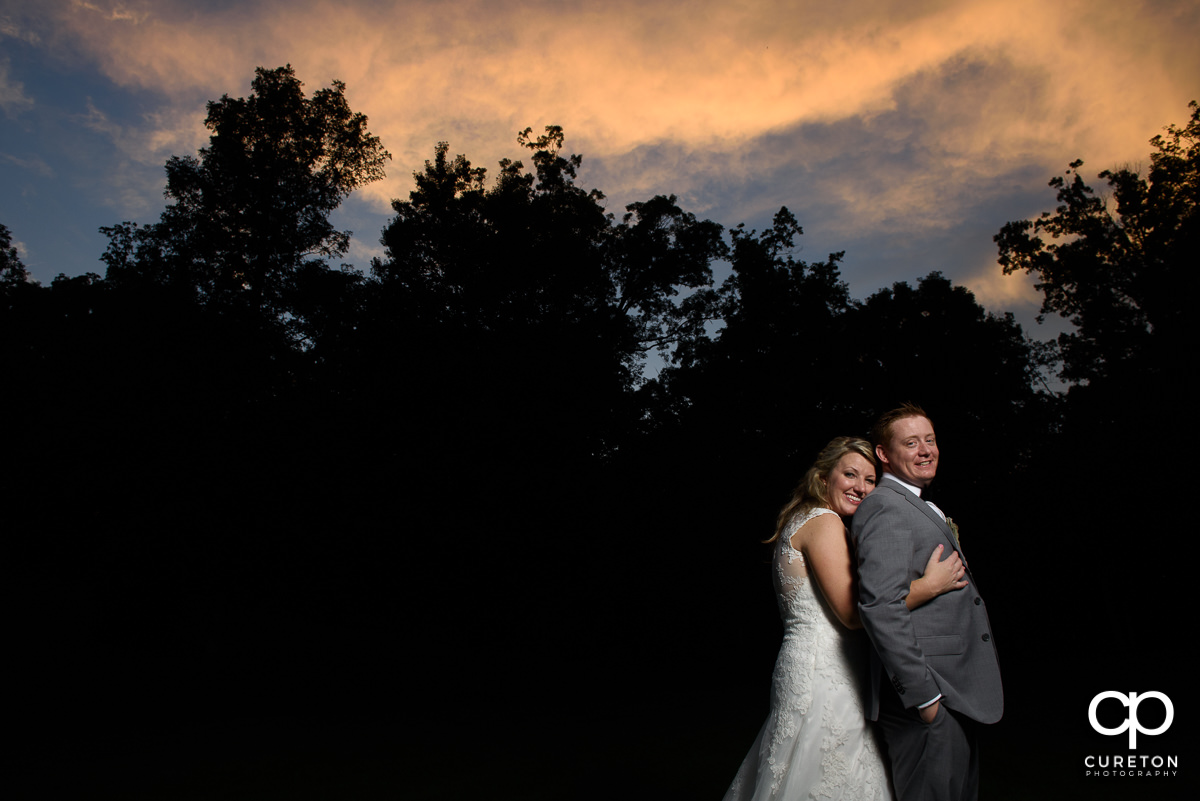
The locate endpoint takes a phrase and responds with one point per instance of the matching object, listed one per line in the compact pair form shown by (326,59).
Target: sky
(904,132)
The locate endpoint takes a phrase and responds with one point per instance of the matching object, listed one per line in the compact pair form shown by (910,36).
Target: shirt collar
(915,490)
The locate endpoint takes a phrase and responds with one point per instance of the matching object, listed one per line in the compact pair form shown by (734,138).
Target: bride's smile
(850,482)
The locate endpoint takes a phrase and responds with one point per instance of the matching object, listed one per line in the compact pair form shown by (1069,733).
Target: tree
(536,249)
(655,251)
(529,289)
(10,262)
(1118,267)
(12,271)
(750,380)
(253,209)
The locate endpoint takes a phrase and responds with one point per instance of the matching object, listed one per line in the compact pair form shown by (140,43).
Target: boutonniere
(953,528)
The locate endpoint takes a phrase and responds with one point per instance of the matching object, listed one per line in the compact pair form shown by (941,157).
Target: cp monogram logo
(1131,723)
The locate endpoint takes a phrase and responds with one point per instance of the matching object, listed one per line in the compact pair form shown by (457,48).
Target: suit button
(978,601)
(987,637)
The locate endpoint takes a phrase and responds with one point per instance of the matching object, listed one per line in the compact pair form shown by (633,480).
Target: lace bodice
(798,600)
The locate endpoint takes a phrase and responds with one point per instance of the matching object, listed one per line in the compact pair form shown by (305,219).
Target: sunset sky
(905,133)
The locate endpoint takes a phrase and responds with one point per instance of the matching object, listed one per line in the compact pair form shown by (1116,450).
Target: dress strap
(794,525)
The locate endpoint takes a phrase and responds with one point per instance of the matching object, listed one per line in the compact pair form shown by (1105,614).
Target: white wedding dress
(816,743)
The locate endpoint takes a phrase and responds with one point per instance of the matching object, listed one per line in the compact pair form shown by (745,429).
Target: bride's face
(849,482)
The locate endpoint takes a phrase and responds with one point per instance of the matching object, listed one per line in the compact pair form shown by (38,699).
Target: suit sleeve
(884,535)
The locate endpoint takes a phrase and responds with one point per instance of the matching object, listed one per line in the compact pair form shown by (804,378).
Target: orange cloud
(995,290)
(971,88)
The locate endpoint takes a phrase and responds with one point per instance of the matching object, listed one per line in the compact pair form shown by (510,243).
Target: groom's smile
(911,452)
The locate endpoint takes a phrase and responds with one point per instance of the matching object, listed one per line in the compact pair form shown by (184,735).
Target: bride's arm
(827,557)
(941,575)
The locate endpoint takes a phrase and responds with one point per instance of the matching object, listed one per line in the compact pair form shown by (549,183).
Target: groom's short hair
(881,432)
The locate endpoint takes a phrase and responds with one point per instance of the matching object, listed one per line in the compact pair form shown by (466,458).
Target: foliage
(535,250)
(1115,266)
(777,310)
(12,271)
(530,290)
(249,218)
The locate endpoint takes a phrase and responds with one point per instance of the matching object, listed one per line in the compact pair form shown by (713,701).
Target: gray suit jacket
(944,646)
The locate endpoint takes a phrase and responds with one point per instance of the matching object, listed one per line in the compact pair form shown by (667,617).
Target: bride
(815,742)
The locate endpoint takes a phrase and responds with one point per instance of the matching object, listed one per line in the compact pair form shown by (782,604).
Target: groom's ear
(881,454)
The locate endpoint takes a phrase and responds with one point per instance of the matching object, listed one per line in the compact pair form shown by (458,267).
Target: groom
(943,678)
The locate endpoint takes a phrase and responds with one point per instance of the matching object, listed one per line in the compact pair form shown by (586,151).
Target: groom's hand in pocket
(930,712)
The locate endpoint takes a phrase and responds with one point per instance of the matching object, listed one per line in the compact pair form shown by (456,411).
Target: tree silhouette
(248,221)
(751,384)
(532,307)
(1115,268)
(1118,265)
(175,443)
(537,249)
(12,271)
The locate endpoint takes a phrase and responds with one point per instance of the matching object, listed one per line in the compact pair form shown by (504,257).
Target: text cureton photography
(1101,711)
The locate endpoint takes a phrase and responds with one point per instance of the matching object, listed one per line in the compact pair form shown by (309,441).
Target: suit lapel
(925,509)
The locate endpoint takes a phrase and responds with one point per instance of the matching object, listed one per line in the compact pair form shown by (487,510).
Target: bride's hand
(944,575)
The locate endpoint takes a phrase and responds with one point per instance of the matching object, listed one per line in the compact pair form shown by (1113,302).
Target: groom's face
(911,452)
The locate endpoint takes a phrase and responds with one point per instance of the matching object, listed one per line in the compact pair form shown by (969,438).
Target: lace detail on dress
(814,743)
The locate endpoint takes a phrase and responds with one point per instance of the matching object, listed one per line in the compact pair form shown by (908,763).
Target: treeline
(265,474)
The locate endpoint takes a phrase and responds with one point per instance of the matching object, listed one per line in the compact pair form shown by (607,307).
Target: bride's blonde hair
(812,490)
